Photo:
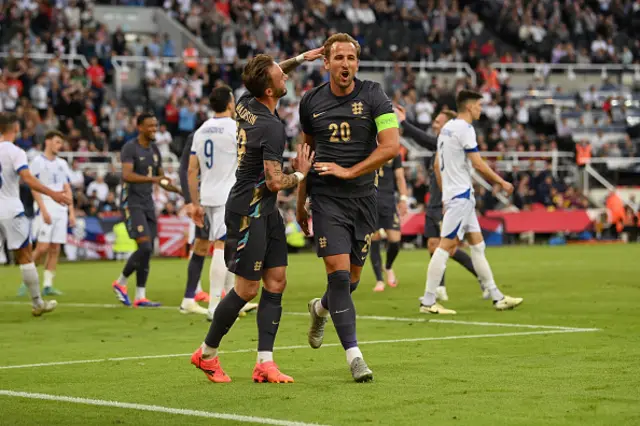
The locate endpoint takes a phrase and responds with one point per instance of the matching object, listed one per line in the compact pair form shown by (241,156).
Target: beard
(279,93)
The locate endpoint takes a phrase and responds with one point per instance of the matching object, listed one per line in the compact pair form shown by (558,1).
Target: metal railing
(544,68)
(129,70)
(36,57)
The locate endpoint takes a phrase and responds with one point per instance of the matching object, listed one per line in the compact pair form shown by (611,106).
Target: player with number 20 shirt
(353,129)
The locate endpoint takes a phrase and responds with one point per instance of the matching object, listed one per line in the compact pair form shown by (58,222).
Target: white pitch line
(361,317)
(155,408)
(371,342)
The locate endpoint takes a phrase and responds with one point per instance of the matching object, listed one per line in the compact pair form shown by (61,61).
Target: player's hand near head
(304,159)
(313,54)
(400,112)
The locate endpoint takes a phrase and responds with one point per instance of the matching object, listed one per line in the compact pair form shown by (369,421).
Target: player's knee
(276,285)
(247,289)
(478,248)
(145,248)
(201,247)
(432,244)
(54,248)
(376,236)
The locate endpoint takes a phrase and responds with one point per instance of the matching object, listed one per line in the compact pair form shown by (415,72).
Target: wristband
(403,198)
(300,58)
(300,176)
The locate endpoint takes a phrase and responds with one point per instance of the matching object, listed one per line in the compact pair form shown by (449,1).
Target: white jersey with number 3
(456,139)
(54,174)
(214,143)
(12,161)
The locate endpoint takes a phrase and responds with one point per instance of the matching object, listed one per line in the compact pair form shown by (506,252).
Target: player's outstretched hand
(400,112)
(507,187)
(304,159)
(302,216)
(332,169)
(62,198)
(46,217)
(313,54)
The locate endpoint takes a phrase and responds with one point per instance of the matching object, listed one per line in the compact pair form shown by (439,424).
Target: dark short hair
(52,134)
(256,76)
(143,116)
(7,121)
(465,96)
(340,38)
(220,98)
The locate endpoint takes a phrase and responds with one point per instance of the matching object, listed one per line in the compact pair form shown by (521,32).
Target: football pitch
(570,354)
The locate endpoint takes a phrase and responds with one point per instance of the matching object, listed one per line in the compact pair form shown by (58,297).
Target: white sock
(353,353)
(186,301)
(320,310)
(217,277)
(122,280)
(264,356)
(229,282)
(199,287)
(485,275)
(208,351)
(141,293)
(435,272)
(48,278)
(31,280)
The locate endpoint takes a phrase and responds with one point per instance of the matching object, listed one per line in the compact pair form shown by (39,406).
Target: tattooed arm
(276,179)
(309,56)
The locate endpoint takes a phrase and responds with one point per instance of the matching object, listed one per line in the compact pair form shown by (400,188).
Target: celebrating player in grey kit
(341,121)
(141,168)
(256,246)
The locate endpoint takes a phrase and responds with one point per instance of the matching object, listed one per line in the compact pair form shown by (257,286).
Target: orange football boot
(269,372)
(211,367)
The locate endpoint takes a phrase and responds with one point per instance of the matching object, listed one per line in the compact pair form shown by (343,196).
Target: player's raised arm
(309,56)
(421,137)
(276,180)
(302,215)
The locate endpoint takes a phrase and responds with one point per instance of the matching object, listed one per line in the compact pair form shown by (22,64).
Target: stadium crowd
(55,93)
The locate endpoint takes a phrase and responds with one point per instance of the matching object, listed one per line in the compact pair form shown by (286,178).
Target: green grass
(551,379)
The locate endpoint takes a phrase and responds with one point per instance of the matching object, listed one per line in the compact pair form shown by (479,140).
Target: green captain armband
(386,121)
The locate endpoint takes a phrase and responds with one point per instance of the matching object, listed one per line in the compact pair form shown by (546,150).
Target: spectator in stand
(98,188)
(109,205)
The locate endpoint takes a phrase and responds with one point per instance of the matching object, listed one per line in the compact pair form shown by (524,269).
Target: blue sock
(343,311)
(325,301)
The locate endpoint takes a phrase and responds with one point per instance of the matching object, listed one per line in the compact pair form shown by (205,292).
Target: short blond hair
(340,38)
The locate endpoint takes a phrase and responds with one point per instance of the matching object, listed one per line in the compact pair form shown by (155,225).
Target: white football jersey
(455,140)
(215,145)
(54,174)
(12,161)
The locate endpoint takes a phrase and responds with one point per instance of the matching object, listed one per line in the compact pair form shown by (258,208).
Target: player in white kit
(52,219)
(457,155)
(214,158)
(14,225)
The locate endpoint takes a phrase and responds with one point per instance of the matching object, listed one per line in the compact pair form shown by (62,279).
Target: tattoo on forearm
(286,181)
(288,65)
